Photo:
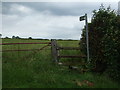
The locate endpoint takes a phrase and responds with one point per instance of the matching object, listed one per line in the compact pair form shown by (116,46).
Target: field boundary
(55,49)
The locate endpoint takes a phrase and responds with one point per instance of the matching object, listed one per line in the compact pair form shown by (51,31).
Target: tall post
(87,40)
(54,50)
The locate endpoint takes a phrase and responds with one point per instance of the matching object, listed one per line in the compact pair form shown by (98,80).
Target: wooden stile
(69,48)
(82,56)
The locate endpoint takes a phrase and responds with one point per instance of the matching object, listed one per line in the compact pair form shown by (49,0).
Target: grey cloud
(56,8)
(61,8)
(46,20)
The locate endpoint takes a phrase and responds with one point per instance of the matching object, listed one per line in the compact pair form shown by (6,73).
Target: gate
(55,50)
(48,44)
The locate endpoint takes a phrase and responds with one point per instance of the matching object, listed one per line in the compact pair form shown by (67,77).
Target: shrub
(104,42)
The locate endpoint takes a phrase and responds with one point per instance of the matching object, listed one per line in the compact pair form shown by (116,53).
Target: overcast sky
(59,20)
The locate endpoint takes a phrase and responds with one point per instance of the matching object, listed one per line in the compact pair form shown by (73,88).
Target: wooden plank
(25,49)
(25,43)
(80,56)
(69,48)
(19,50)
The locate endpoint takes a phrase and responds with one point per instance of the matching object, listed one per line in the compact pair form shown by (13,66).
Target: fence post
(54,50)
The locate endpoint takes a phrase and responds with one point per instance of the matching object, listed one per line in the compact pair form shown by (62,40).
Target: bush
(30,38)
(104,42)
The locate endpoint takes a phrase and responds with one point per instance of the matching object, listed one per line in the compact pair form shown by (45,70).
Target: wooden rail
(19,50)
(25,43)
(82,56)
(69,48)
(48,44)
(25,49)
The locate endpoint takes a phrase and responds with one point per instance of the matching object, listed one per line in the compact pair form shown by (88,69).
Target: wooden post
(54,50)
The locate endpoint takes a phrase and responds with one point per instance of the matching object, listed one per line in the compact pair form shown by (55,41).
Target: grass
(36,70)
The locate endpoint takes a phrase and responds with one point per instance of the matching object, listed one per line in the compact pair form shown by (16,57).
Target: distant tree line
(17,37)
(104,42)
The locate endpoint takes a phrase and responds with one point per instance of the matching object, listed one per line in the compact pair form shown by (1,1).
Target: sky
(47,20)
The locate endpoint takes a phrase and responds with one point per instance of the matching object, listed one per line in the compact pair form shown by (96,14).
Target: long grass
(37,70)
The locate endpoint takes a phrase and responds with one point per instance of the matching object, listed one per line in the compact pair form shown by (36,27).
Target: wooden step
(69,48)
(80,56)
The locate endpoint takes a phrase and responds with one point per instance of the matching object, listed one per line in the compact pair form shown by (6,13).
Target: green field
(36,69)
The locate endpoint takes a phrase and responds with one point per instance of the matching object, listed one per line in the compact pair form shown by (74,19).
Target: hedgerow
(104,42)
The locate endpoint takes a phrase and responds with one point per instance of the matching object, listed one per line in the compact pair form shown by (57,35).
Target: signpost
(87,41)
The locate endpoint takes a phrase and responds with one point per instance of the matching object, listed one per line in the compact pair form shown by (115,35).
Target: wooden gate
(48,44)
(55,50)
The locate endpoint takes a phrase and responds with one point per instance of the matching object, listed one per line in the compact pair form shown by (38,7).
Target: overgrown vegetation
(36,69)
(104,42)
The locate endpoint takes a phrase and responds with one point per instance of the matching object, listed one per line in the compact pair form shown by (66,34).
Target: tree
(6,37)
(104,42)
(0,35)
(13,37)
(17,37)
(30,38)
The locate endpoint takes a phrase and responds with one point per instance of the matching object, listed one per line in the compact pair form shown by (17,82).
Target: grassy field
(30,69)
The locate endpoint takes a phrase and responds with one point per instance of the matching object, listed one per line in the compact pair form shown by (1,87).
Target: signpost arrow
(82,18)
